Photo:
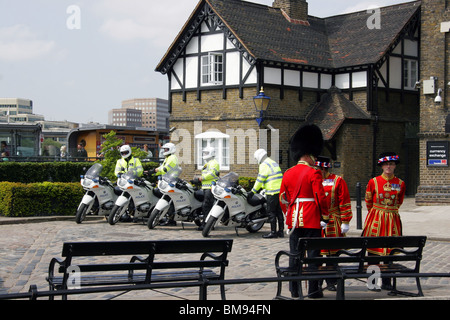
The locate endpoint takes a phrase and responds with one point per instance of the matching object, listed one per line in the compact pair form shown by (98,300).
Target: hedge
(23,192)
(34,172)
(39,199)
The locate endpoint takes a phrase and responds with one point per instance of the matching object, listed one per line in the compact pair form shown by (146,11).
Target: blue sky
(78,73)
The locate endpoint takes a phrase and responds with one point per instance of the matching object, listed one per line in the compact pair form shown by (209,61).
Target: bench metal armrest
(134,259)
(349,253)
(137,258)
(284,253)
(211,255)
(51,268)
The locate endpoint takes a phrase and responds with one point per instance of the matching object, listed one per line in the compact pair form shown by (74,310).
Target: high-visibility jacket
(210,173)
(269,177)
(170,162)
(123,166)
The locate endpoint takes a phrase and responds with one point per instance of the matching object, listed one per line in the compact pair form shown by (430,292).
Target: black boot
(270,235)
(273,233)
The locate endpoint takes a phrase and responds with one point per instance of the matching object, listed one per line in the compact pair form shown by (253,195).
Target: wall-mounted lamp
(261,102)
(438,98)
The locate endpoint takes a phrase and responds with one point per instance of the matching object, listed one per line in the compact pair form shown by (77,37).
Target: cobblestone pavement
(27,249)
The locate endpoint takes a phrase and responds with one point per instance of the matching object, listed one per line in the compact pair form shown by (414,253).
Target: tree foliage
(110,151)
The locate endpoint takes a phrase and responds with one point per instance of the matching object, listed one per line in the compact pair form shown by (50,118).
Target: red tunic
(302,197)
(339,206)
(383,199)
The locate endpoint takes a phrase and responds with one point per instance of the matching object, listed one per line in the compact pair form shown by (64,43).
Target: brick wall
(354,140)
(435,58)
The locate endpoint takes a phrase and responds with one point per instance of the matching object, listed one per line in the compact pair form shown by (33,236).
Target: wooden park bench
(89,264)
(352,261)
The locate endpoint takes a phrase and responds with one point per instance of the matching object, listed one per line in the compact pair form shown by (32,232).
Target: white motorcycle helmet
(260,155)
(169,148)
(208,153)
(125,151)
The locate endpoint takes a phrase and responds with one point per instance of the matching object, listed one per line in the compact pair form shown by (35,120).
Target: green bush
(33,172)
(53,188)
(247,183)
(39,199)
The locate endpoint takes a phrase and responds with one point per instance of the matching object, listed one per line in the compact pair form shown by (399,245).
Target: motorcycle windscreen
(172,175)
(130,175)
(94,171)
(229,180)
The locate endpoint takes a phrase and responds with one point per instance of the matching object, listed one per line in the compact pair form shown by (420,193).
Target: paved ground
(27,249)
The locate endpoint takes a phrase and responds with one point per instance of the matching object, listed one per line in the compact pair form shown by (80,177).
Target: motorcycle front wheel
(81,213)
(208,226)
(154,218)
(116,214)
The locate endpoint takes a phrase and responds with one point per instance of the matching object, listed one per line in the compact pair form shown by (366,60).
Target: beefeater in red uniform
(338,201)
(302,198)
(339,208)
(384,196)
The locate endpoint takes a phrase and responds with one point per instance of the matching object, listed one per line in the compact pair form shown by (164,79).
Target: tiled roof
(331,112)
(334,42)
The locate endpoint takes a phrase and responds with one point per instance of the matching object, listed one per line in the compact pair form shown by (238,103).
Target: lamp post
(261,102)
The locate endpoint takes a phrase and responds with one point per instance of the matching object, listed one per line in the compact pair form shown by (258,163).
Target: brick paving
(27,249)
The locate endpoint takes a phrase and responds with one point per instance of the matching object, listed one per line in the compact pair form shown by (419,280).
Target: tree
(110,152)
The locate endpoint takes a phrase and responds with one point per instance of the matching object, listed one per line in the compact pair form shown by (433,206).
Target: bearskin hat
(307,140)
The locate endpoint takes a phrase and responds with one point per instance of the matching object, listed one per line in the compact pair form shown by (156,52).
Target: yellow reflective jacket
(269,177)
(169,163)
(210,173)
(122,166)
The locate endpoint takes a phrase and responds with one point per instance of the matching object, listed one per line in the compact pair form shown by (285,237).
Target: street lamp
(261,102)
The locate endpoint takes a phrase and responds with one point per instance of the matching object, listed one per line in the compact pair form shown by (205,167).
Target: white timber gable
(211,59)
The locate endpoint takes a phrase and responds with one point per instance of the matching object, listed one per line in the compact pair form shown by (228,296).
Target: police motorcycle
(138,195)
(179,198)
(99,197)
(234,208)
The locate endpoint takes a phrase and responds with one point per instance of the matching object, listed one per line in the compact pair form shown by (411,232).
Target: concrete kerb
(24,220)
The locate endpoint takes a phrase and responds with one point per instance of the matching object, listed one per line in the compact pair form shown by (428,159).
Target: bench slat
(213,254)
(355,265)
(139,278)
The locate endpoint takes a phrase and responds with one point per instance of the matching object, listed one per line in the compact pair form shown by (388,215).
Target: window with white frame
(221,144)
(212,68)
(410,73)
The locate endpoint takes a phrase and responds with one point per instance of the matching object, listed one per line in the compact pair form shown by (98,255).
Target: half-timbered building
(354,75)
